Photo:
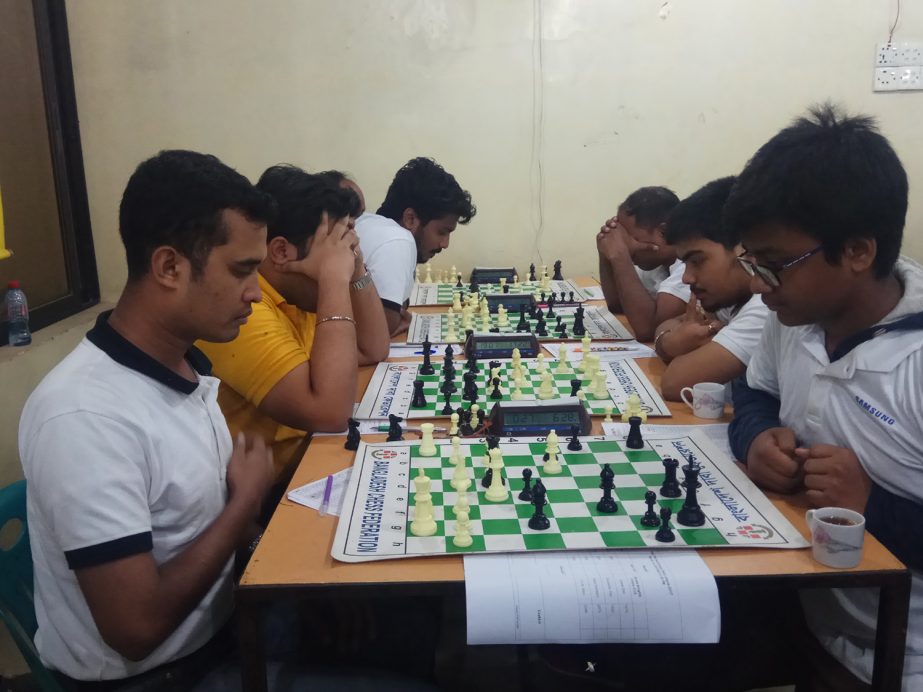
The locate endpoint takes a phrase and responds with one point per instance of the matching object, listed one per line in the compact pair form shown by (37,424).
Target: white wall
(627,98)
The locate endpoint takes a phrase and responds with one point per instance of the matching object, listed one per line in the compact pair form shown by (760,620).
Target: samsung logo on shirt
(880,415)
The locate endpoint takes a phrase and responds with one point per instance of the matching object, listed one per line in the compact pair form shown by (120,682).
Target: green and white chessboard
(391,388)
(378,505)
(600,325)
(443,293)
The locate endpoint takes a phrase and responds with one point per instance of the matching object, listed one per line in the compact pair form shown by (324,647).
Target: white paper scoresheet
(638,596)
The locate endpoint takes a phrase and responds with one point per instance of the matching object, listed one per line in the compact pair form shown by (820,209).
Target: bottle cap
(13,284)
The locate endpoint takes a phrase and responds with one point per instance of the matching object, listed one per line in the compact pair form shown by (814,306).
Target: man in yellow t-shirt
(292,369)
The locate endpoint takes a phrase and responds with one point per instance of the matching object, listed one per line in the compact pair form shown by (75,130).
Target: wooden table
(293,559)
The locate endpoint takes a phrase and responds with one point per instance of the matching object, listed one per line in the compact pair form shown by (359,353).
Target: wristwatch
(361,282)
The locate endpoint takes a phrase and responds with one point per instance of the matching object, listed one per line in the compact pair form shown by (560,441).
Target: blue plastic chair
(17,605)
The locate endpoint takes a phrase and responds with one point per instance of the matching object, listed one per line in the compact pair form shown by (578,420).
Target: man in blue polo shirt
(832,404)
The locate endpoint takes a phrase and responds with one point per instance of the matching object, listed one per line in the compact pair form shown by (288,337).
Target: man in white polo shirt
(138,497)
(638,270)
(833,406)
(423,206)
(714,347)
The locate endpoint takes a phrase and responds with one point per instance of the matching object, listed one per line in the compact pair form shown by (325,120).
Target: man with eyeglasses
(712,346)
(833,403)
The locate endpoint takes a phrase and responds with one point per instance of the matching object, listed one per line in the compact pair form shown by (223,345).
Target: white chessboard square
(610,457)
(583,540)
(505,542)
(571,509)
(651,467)
(438,513)
(614,522)
(558,482)
(425,544)
(502,510)
(553,528)
(475,529)
(584,470)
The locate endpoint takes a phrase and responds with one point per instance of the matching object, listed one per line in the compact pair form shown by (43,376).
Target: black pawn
(607,505)
(574,445)
(670,487)
(459,284)
(570,296)
(531,272)
(352,435)
(419,399)
(395,431)
(538,521)
(665,533)
(506,288)
(550,311)
(691,514)
(575,386)
(634,439)
(526,493)
(482,417)
(447,408)
(472,364)
(474,288)
(427,367)
(496,394)
(650,517)
(557,271)
(464,420)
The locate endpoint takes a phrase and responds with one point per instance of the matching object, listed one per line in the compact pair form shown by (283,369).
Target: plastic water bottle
(17,315)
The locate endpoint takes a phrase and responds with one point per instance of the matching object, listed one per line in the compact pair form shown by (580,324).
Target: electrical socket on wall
(898,66)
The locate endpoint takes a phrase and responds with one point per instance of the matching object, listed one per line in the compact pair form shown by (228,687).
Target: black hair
(177,198)
(831,176)
(699,215)
(425,186)
(301,199)
(336,179)
(650,206)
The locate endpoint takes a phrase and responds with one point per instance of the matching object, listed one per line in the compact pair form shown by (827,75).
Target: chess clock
(492,275)
(535,418)
(511,302)
(485,346)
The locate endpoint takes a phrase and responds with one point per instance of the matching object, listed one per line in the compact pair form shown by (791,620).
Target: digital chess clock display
(492,275)
(540,418)
(513,302)
(501,346)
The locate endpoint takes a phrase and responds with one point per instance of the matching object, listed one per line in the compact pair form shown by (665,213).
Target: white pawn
(453,273)
(546,390)
(462,537)
(633,408)
(562,360)
(517,357)
(461,504)
(453,427)
(552,465)
(444,279)
(450,334)
(456,301)
(418,275)
(608,411)
(428,279)
(540,368)
(517,394)
(460,480)
(585,351)
(456,456)
(485,322)
(502,319)
(515,280)
(497,492)
(502,283)
(427,444)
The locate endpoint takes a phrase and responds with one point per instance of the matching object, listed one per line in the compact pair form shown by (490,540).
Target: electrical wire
(897,18)
(537,173)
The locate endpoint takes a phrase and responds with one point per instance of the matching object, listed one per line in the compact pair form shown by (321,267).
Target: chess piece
(427,444)
(574,445)
(423,523)
(538,521)
(526,493)
(633,408)
(562,366)
(650,517)
(395,431)
(557,271)
(670,487)
(427,367)
(419,399)
(497,492)
(462,538)
(575,386)
(352,435)
(691,514)
(665,533)
(461,504)
(634,439)
(546,390)
(608,411)
(453,427)
(607,505)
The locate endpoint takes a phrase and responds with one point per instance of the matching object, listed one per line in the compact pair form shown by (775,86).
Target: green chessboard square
(604,446)
(653,480)
(632,493)
(619,512)
(501,527)
(519,460)
(622,539)
(702,536)
(576,525)
(580,458)
(477,451)
(564,496)
(586,482)
(544,541)
(622,470)
(641,455)
(537,448)
(477,545)
(675,504)
(524,510)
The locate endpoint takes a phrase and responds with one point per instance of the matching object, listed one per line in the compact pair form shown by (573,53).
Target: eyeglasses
(770,275)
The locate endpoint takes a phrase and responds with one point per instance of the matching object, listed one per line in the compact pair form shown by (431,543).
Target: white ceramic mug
(837,535)
(707,399)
